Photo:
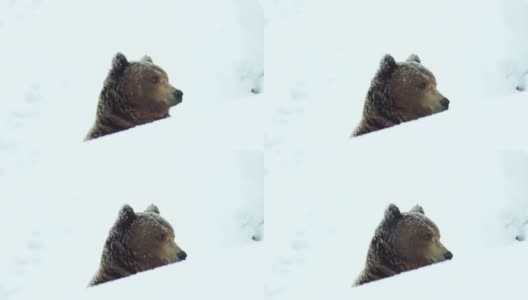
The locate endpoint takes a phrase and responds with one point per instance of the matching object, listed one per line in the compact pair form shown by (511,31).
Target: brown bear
(400,92)
(137,242)
(134,93)
(402,242)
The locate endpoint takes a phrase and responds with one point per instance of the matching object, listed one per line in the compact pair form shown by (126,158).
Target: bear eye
(155,79)
(422,85)
(428,237)
(162,237)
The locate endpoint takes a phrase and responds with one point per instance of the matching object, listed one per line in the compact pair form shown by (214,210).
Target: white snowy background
(203,167)
(467,167)
(324,193)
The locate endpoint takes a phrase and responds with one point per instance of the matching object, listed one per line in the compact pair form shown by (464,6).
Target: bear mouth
(176,101)
(438,109)
(438,260)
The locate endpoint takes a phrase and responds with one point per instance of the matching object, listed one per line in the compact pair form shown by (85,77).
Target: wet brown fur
(137,242)
(399,92)
(133,93)
(402,242)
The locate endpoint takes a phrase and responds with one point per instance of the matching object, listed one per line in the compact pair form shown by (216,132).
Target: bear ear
(392,214)
(147,59)
(417,209)
(119,64)
(152,209)
(387,65)
(126,216)
(413,58)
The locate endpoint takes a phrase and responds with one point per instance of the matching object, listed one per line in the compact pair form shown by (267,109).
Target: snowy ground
(467,167)
(205,167)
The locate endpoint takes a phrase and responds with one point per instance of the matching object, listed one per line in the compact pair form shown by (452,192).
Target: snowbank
(207,172)
(466,166)
(59,53)
(490,274)
(203,167)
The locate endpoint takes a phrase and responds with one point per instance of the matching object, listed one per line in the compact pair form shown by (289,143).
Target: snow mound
(203,167)
(466,167)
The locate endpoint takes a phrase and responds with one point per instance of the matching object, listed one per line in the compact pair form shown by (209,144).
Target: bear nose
(448,255)
(445,102)
(182,255)
(178,94)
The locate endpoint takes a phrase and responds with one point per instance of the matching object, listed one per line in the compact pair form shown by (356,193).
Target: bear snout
(182,255)
(175,98)
(445,103)
(178,94)
(448,255)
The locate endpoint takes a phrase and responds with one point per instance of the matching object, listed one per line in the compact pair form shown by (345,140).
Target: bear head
(402,242)
(413,239)
(137,242)
(145,86)
(400,92)
(151,238)
(412,88)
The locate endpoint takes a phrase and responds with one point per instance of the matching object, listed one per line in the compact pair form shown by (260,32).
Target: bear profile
(133,93)
(402,242)
(400,92)
(137,242)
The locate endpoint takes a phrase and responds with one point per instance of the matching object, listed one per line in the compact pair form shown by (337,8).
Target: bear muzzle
(445,103)
(177,97)
(182,255)
(448,255)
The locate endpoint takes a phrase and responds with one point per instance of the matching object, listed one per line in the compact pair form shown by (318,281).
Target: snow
(466,167)
(203,167)
(229,156)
